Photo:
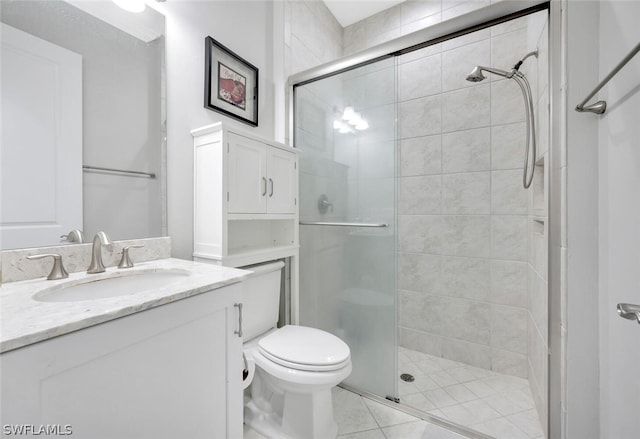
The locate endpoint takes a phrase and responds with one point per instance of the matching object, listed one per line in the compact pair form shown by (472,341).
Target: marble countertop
(24,321)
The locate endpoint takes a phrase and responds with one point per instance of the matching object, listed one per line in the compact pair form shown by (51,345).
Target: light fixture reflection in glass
(348,113)
(347,120)
(131,5)
(355,120)
(362,125)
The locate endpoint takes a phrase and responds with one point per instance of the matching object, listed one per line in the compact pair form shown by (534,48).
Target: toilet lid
(304,348)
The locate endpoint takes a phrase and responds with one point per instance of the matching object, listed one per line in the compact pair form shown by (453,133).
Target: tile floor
(498,405)
(363,418)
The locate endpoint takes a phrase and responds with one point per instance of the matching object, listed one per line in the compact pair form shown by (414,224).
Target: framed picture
(230,83)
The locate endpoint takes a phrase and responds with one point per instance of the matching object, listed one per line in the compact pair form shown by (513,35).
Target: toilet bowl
(291,370)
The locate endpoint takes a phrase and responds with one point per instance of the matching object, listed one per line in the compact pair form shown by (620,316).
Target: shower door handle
(322,223)
(629,311)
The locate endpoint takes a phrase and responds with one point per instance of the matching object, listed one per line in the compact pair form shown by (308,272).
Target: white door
(41,141)
(247,164)
(619,200)
(281,175)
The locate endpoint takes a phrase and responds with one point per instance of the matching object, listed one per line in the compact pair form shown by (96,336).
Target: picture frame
(230,83)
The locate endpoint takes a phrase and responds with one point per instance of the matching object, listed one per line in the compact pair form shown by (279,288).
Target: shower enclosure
(419,245)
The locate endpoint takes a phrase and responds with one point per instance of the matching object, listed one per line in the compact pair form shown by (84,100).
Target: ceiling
(348,12)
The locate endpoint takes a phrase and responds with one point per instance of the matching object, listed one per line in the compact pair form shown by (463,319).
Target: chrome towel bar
(601,106)
(380,225)
(119,171)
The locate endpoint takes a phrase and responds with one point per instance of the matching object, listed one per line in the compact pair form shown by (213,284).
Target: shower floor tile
(498,405)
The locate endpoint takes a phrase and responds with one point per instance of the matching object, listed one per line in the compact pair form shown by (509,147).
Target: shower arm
(519,63)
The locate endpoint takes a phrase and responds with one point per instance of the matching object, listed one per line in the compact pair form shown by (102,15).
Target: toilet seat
(305,349)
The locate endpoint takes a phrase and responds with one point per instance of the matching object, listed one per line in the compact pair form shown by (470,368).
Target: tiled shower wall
(463,214)
(312,36)
(403,19)
(537,321)
(472,243)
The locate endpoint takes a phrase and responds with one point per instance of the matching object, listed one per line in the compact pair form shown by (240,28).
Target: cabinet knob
(271,193)
(264,190)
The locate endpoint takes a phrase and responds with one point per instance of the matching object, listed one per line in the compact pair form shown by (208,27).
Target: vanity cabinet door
(281,173)
(247,175)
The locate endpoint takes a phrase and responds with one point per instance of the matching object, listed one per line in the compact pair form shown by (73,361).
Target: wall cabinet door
(247,168)
(262,179)
(281,174)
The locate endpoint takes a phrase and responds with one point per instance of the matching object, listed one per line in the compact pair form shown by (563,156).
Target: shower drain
(407,377)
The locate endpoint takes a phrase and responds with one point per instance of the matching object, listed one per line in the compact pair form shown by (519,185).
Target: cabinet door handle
(264,190)
(271,193)
(239,331)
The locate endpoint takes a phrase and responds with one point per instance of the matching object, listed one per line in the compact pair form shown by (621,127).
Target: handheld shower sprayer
(477,76)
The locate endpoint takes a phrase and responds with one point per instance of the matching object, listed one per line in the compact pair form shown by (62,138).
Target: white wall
(582,225)
(603,213)
(244,27)
(619,215)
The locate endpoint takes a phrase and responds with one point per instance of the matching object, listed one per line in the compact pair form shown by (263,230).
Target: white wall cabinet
(245,197)
(168,372)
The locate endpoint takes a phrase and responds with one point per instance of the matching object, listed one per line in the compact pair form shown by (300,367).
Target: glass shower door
(345,128)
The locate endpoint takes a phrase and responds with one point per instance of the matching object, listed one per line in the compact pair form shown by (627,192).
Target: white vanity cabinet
(173,371)
(245,197)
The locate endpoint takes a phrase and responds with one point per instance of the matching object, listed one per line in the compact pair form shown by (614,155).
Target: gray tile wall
(471,240)
(312,36)
(463,216)
(403,19)
(537,322)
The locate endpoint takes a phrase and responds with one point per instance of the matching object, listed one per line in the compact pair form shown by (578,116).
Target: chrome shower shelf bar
(601,106)
(313,223)
(118,171)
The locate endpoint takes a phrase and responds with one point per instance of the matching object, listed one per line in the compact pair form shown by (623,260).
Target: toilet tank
(261,301)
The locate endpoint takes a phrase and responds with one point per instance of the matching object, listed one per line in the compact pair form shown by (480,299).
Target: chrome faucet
(97,266)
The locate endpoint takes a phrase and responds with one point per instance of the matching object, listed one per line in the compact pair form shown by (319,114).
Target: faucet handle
(57,271)
(126,261)
(75,235)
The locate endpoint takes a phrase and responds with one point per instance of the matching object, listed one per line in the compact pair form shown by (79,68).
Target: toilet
(291,370)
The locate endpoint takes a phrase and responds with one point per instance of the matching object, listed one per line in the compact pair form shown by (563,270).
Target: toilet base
(290,415)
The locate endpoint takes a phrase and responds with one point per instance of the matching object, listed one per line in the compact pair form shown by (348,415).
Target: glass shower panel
(345,128)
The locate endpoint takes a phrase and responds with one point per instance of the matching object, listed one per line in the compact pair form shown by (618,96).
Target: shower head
(477,76)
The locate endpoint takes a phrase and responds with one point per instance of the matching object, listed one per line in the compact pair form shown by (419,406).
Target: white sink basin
(113,285)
